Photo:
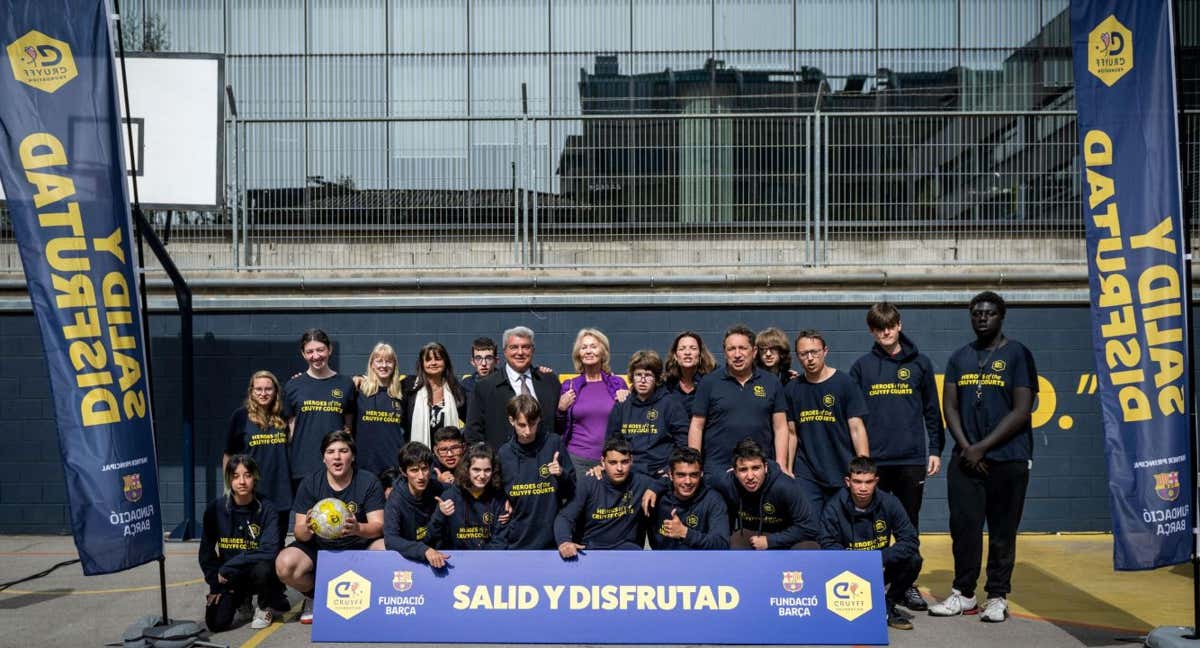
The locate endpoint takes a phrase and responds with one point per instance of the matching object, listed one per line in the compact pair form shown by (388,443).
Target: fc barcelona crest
(402,581)
(1166,485)
(132,486)
(793,581)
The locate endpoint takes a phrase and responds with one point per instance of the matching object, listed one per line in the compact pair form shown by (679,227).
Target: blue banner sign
(62,168)
(1133,209)
(604,597)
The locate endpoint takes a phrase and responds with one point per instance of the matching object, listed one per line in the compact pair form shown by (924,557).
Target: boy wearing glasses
(483,358)
(652,420)
(827,408)
(449,446)
(987,399)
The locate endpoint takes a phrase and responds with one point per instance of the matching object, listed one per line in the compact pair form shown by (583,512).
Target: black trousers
(997,498)
(899,575)
(907,483)
(259,579)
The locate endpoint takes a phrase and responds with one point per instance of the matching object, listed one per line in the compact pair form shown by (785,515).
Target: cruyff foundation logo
(1110,51)
(348,594)
(848,595)
(41,62)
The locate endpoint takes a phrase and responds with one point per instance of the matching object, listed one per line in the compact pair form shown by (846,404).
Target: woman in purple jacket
(587,399)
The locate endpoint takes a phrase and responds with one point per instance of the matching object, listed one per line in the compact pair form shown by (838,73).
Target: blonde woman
(379,428)
(586,400)
(258,429)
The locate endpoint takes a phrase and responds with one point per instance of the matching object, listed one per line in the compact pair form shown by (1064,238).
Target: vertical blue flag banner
(63,171)
(1133,209)
(603,597)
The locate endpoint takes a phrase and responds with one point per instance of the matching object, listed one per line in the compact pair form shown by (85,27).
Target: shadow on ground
(26,600)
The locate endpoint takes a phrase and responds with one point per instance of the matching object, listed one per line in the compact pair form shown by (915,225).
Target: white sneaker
(306,612)
(995,610)
(954,605)
(262,619)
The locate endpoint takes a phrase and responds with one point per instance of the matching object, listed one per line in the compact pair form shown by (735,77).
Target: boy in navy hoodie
(690,515)
(905,420)
(652,419)
(410,506)
(604,513)
(766,508)
(862,518)
(537,474)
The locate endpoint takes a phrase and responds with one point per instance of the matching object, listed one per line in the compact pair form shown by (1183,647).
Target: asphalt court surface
(1065,593)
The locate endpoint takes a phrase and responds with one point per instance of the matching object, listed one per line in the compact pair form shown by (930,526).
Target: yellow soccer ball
(327,517)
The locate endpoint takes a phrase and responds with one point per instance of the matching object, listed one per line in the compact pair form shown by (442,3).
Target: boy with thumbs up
(690,515)
(605,513)
(538,476)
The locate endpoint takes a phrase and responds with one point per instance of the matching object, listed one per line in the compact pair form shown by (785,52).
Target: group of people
(685,455)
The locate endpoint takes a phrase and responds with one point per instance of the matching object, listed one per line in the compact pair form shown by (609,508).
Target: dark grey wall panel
(1067,489)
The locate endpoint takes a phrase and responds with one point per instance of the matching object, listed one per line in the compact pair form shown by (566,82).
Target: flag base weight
(1171,637)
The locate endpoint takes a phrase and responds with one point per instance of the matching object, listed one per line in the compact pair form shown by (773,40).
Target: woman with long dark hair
(687,362)
(478,508)
(241,537)
(432,397)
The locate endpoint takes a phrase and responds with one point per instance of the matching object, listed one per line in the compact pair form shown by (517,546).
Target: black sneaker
(897,620)
(914,601)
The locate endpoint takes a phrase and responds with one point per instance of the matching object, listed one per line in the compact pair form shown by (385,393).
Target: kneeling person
(363,496)
(863,518)
(241,538)
(604,513)
(767,508)
(411,505)
(690,515)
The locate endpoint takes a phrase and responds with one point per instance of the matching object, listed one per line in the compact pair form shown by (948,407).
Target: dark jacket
(905,421)
(487,418)
(776,510)
(475,523)
(236,537)
(604,515)
(704,515)
(845,527)
(535,495)
(406,520)
(652,436)
(408,389)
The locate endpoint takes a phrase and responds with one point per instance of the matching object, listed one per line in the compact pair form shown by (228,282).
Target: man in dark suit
(487,418)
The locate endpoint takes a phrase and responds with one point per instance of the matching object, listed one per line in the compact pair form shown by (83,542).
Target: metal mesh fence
(685,190)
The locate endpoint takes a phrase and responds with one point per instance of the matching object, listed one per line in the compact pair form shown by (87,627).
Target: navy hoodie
(604,515)
(535,495)
(406,519)
(475,523)
(905,421)
(776,510)
(654,428)
(843,526)
(704,514)
(235,537)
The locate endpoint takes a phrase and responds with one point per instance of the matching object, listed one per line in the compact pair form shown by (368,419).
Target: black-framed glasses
(487,359)
(449,450)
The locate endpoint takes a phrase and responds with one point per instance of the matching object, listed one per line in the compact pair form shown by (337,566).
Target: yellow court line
(261,636)
(118,590)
